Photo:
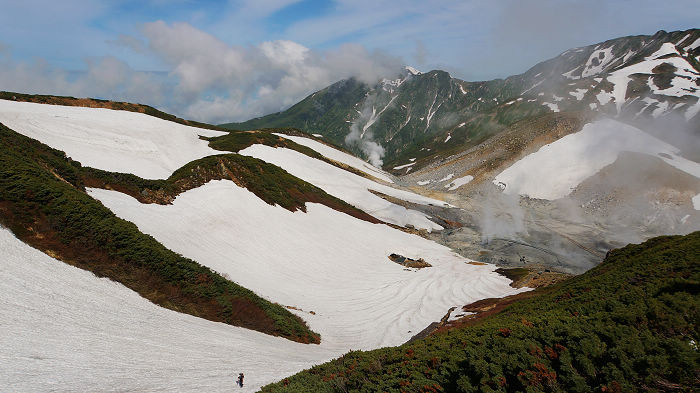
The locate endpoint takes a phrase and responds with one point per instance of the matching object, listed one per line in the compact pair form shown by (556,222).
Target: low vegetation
(42,200)
(629,324)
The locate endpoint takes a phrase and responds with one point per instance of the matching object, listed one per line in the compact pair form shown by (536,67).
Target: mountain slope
(315,249)
(629,324)
(64,329)
(428,115)
(44,203)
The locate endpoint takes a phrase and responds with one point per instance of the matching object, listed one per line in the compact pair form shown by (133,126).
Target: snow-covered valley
(65,329)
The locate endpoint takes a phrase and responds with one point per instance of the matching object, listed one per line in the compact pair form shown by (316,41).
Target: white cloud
(207,79)
(242,82)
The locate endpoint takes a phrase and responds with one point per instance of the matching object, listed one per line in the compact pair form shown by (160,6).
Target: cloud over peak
(207,79)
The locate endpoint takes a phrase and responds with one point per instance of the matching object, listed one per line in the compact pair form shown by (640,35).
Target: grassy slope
(42,200)
(630,324)
(322,112)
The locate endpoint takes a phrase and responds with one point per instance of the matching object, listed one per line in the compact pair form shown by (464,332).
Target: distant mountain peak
(639,78)
(412,70)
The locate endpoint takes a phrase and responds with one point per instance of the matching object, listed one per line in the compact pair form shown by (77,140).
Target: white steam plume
(361,135)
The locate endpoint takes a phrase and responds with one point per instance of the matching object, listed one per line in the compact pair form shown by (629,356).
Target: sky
(220,61)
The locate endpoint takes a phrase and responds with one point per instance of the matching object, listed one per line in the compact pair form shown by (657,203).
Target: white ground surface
(459,182)
(337,155)
(322,261)
(65,330)
(348,186)
(117,141)
(555,169)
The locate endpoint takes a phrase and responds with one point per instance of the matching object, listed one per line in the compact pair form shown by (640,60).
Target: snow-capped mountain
(421,115)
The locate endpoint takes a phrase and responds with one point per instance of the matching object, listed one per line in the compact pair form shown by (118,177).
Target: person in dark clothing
(240,380)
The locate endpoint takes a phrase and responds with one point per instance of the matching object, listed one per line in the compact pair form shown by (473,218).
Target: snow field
(555,169)
(322,261)
(64,329)
(112,140)
(348,186)
(337,155)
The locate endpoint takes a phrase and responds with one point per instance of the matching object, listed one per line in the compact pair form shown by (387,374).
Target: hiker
(240,380)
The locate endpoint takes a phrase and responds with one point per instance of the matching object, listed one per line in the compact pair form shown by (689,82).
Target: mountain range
(431,114)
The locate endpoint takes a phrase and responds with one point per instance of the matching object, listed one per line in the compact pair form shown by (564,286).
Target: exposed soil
(532,276)
(419,263)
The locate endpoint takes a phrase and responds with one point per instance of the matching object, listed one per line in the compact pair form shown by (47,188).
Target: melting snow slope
(555,169)
(322,261)
(64,329)
(337,155)
(348,186)
(112,140)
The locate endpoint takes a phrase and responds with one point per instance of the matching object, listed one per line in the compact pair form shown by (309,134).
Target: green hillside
(630,324)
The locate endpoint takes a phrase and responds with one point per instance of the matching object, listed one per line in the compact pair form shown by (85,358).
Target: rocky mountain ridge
(423,116)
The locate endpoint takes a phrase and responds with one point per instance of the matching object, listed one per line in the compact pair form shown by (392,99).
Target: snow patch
(555,169)
(692,46)
(666,48)
(533,86)
(446,178)
(111,140)
(553,107)
(348,186)
(337,155)
(569,74)
(405,165)
(602,57)
(459,182)
(579,93)
(604,97)
(413,70)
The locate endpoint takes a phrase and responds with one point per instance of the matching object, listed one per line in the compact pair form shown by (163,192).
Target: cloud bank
(208,79)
